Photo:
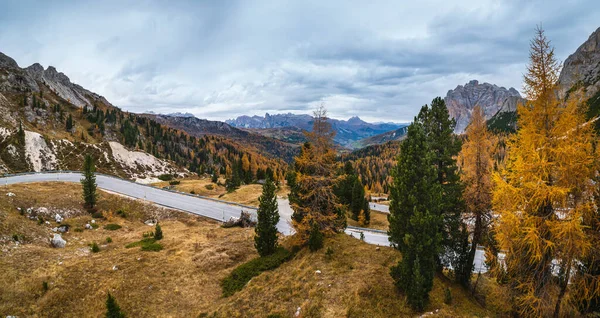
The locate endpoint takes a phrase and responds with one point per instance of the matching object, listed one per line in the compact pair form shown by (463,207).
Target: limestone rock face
(582,68)
(492,98)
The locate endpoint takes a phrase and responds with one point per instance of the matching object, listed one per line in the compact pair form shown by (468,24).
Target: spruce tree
(358,198)
(415,220)
(89,182)
(445,146)
(112,308)
(158,234)
(69,124)
(265,240)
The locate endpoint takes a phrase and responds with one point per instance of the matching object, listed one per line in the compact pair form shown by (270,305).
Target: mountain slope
(124,144)
(202,127)
(347,131)
(493,99)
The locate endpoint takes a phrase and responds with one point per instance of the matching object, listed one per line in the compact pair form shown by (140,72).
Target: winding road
(203,206)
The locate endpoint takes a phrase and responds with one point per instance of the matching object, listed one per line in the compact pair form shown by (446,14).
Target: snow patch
(38,152)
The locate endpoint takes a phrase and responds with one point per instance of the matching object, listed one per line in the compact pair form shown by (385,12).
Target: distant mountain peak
(492,98)
(179,114)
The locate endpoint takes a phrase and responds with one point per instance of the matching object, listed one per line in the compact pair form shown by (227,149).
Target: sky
(379,60)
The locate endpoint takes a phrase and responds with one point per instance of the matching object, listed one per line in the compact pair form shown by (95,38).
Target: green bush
(209,187)
(112,227)
(329,253)
(153,247)
(78,229)
(142,242)
(94,225)
(40,220)
(95,248)
(448,296)
(192,192)
(165,177)
(108,240)
(122,213)
(45,286)
(243,273)
(174,182)
(97,215)
(315,238)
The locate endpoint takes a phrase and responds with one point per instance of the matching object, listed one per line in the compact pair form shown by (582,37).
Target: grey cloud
(221,59)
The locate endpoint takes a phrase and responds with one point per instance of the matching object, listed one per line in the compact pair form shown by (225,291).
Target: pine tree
(158,233)
(358,198)
(265,240)
(89,182)
(69,123)
(312,198)
(112,308)
(544,192)
(21,135)
(315,238)
(415,220)
(476,167)
(445,146)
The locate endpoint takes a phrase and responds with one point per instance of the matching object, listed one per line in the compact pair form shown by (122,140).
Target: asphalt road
(217,210)
(379,207)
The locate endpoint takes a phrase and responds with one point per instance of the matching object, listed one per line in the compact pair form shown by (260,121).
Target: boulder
(58,242)
(58,218)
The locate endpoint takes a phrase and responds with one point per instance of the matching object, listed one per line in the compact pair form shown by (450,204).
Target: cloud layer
(380,60)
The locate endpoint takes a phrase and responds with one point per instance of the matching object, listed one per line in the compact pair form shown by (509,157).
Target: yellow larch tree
(544,190)
(476,166)
(314,203)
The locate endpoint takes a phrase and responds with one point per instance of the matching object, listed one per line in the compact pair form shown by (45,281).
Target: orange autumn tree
(476,166)
(544,190)
(316,207)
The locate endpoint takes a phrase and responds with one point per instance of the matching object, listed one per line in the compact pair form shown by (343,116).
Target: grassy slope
(354,282)
(182,280)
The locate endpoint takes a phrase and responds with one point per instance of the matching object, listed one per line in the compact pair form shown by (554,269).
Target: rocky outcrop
(17,80)
(492,98)
(581,69)
(58,242)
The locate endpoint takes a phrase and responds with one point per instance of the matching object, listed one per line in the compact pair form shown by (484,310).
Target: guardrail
(364,229)
(6,175)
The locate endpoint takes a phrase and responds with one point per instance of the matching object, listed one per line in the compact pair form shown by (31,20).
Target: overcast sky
(380,60)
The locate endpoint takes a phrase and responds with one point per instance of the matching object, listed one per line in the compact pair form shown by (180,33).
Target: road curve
(217,210)
(207,207)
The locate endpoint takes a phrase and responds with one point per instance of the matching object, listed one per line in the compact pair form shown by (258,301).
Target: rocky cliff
(14,79)
(581,69)
(494,99)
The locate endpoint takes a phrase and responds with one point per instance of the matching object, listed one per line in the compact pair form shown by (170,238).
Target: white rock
(58,242)
(10,194)
(317,272)
(297,312)
(42,210)
(54,229)
(29,210)
(150,222)
(58,218)
(47,222)
(115,267)
(87,226)
(93,221)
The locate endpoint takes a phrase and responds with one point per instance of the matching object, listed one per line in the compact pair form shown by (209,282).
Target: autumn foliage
(544,191)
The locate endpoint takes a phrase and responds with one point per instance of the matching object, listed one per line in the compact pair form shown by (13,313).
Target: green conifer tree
(89,182)
(158,233)
(415,220)
(112,308)
(265,240)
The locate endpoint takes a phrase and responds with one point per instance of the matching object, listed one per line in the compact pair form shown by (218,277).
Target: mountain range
(349,133)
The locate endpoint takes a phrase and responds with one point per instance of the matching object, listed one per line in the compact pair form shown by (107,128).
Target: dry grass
(183,279)
(246,194)
(354,282)
(179,281)
(379,221)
